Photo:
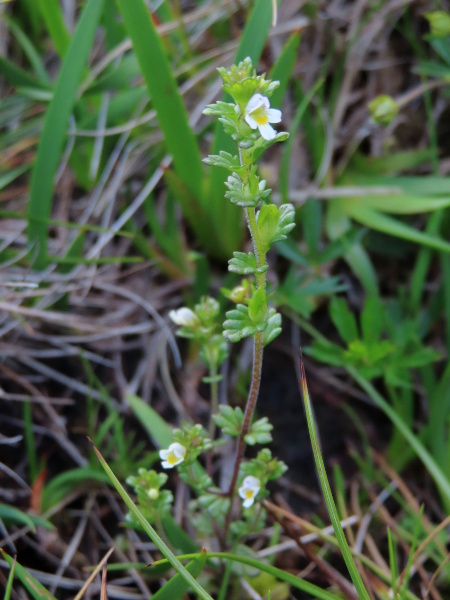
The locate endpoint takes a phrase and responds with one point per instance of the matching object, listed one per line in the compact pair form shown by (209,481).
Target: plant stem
(258,343)
(258,348)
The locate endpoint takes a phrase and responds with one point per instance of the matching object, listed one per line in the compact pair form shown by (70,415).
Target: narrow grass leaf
(148,529)
(30,52)
(282,69)
(392,561)
(167,101)
(32,585)
(55,126)
(157,428)
(17,76)
(177,586)
(289,145)
(51,11)
(440,478)
(296,582)
(328,496)
(376,220)
(12,514)
(9,583)
(402,204)
(11,174)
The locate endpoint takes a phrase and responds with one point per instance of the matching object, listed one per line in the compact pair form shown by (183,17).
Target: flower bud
(383,109)
(439,21)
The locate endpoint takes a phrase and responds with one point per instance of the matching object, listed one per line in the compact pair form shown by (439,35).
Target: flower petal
(256,101)
(267,131)
(274,115)
(250,121)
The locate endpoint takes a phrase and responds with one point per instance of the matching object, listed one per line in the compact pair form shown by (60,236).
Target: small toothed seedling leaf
(257,306)
(259,432)
(230,420)
(239,324)
(220,109)
(225,160)
(245,264)
(275,223)
(246,194)
(273,328)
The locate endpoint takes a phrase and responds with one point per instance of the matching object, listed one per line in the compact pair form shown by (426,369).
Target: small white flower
(249,490)
(184,317)
(174,455)
(258,114)
(153,493)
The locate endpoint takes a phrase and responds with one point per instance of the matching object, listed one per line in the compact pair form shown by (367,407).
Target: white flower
(184,317)
(258,114)
(249,490)
(174,455)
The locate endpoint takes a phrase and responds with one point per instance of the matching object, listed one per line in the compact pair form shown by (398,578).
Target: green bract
(246,194)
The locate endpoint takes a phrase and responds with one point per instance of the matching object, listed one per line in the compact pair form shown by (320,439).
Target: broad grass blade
(55,126)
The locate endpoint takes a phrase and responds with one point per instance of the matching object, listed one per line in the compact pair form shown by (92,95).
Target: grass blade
(328,496)
(441,480)
(32,585)
(157,428)
(296,582)
(167,101)
(159,543)
(177,586)
(55,126)
(51,12)
(376,220)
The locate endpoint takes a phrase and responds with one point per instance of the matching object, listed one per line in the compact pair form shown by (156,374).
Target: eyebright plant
(248,120)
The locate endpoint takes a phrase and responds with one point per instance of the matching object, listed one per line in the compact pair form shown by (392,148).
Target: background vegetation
(109,219)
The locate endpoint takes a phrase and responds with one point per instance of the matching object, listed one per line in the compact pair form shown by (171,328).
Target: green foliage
(245,264)
(155,504)
(274,223)
(367,350)
(230,421)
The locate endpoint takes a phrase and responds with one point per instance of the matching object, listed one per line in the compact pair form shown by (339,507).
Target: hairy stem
(258,348)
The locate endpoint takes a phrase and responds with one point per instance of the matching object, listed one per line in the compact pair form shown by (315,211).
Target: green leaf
(344,320)
(257,306)
(283,67)
(51,10)
(248,194)
(176,587)
(239,324)
(328,496)
(245,264)
(273,328)
(160,432)
(167,101)
(19,77)
(372,320)
(229,420)
(275,223)
(177,536)
(259,432)
(55,126)
(376,220)
(32,585)
(312,590)
(11,514)
(224,160)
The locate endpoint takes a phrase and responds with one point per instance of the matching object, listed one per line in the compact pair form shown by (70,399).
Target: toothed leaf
(245,264)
